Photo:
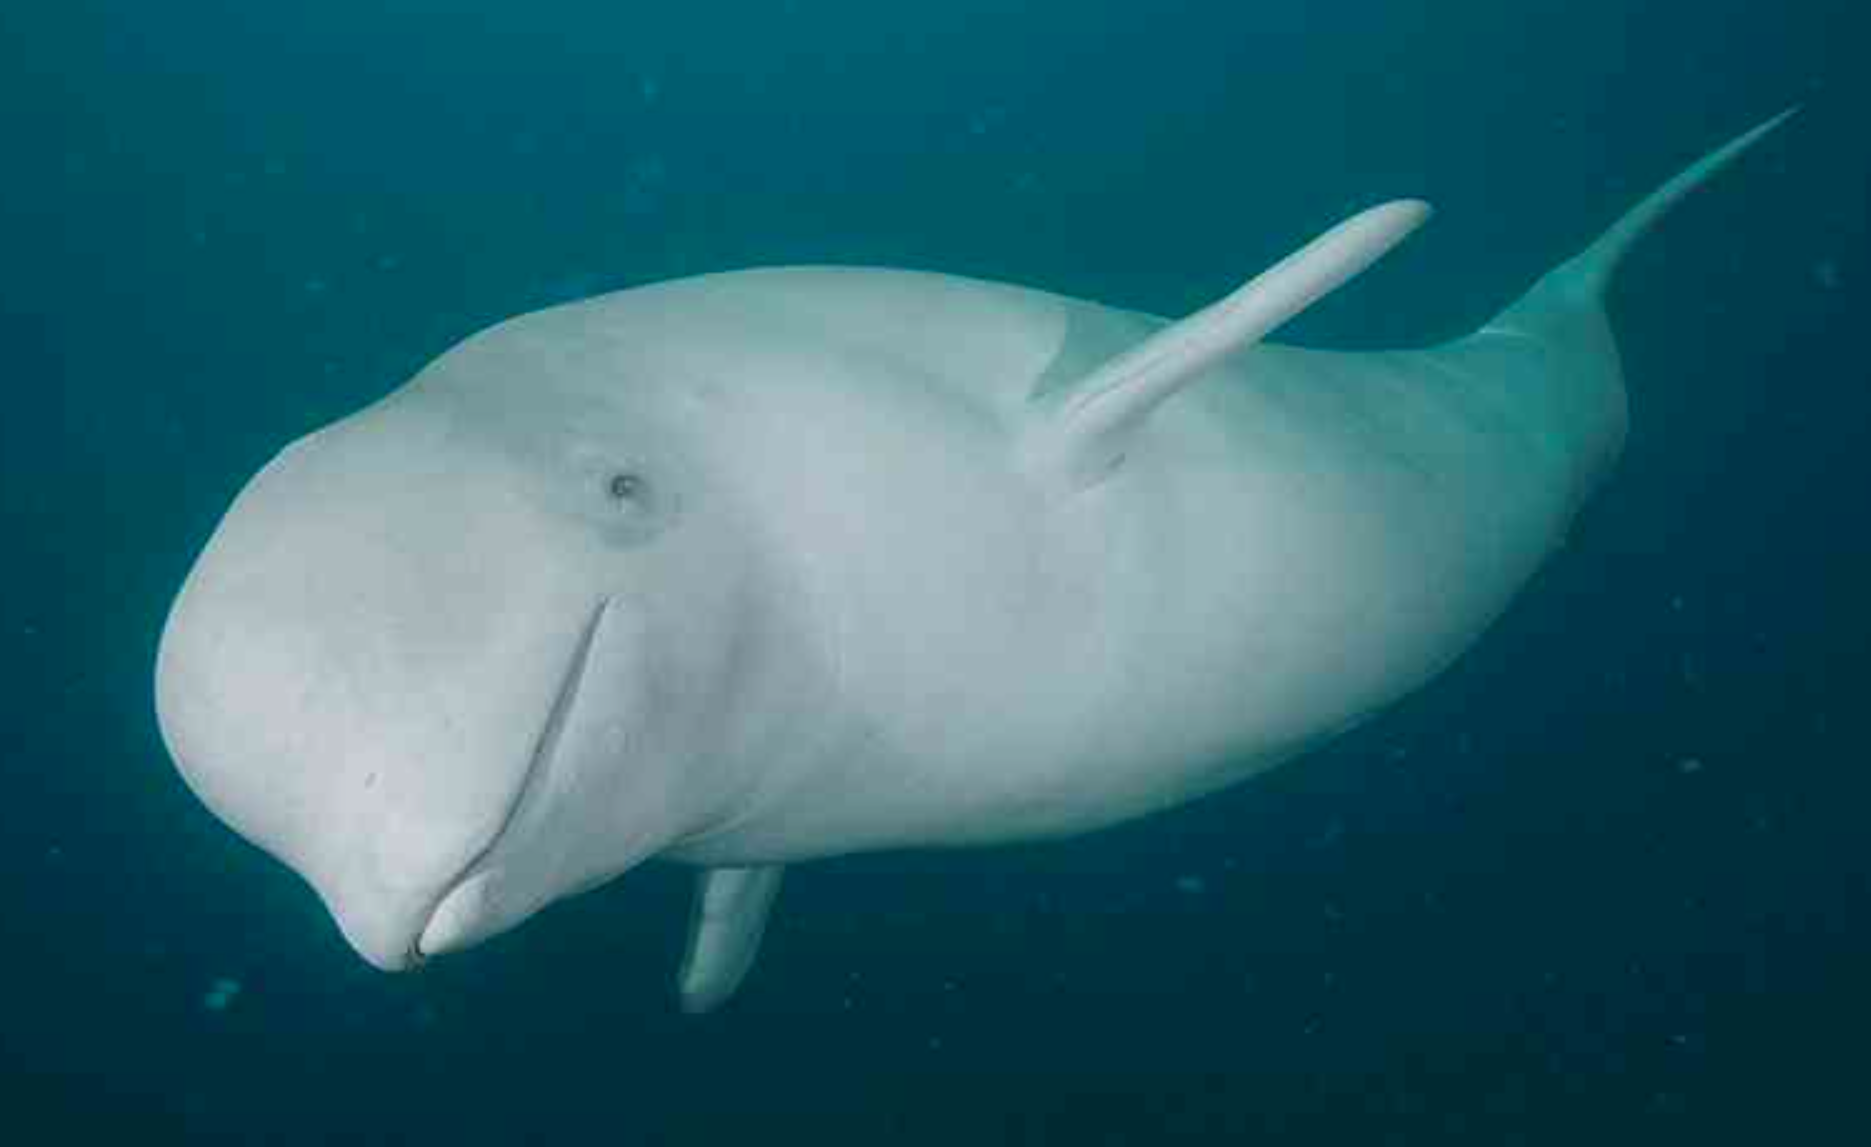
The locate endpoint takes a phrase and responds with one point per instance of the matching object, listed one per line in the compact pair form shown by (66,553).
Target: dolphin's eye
(625,486)
(624,502)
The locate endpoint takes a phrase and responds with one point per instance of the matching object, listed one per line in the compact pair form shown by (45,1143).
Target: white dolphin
(752,568)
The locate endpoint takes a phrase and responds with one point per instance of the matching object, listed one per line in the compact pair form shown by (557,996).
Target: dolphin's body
(752,568)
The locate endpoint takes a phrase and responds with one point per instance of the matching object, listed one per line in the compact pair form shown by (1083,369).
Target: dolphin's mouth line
(545,747)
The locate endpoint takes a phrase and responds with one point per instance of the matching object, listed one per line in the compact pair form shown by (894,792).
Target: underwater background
(1606,880)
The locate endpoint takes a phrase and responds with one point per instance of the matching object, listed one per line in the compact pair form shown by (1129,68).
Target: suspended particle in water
(221,994)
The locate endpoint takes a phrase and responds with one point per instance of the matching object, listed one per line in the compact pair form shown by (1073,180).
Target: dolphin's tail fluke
(1590,272)
(1561,321)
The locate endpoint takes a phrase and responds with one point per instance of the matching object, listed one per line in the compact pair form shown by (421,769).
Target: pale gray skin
(754,568)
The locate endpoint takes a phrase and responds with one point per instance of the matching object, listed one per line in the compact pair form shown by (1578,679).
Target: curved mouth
(457,906)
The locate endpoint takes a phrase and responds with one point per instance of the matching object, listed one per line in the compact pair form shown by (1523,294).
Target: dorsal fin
(1078,432)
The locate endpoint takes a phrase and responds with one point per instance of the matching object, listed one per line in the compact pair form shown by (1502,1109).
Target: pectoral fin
(731,907)
(1079,432)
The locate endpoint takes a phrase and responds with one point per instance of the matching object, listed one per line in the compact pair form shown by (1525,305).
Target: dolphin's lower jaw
(459,921)
(388,927)
(466,912)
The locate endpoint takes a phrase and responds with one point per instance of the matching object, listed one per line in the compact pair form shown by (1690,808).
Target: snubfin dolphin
(747,569)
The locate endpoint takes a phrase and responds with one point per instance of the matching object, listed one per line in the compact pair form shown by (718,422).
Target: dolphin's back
(974,340)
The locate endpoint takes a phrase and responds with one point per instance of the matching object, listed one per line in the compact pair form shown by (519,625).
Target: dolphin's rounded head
(478,647)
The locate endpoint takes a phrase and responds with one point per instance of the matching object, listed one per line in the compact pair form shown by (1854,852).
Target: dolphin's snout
(347,690)
(380,929)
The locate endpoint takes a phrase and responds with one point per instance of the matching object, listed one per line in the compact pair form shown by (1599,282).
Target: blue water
(1605,881)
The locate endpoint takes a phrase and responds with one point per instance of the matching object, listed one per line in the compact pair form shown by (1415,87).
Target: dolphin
(752,568)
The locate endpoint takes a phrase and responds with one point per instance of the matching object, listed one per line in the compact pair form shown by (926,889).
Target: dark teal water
(1604,882)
